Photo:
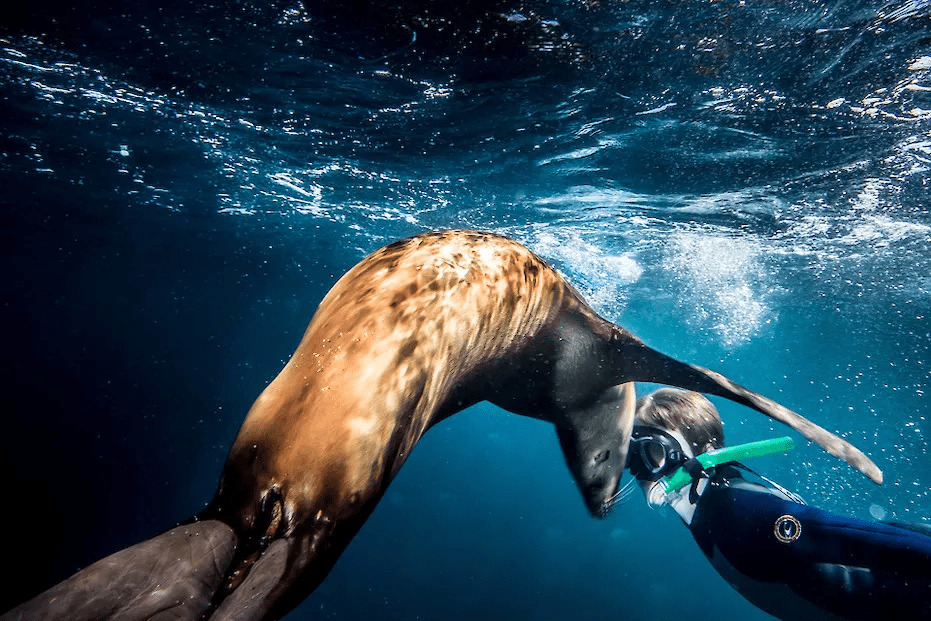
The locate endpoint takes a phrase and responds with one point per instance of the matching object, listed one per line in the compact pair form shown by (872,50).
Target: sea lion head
(595,446)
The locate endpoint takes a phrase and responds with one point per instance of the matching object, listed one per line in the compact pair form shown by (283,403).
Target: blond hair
(689,413)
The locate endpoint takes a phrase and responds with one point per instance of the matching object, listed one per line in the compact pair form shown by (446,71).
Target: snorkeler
(788,559)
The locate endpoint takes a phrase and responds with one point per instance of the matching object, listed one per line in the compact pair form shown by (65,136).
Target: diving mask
(653,453)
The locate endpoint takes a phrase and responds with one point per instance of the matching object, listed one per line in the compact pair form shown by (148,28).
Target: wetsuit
(797,562)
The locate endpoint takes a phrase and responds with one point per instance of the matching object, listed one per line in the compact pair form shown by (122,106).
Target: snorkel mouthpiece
(681,477)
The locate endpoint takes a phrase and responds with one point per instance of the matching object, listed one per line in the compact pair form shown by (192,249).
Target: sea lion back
(387,345)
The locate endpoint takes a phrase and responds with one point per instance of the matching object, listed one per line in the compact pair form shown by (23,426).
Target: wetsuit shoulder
(850,567)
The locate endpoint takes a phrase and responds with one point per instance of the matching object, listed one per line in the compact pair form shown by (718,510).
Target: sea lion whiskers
(622,495)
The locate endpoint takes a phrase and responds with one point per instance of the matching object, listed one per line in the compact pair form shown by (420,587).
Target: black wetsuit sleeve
(848,567)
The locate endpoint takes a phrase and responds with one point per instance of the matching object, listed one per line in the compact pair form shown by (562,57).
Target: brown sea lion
(417,331)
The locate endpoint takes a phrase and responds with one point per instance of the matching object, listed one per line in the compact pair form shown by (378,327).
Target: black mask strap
(695,470)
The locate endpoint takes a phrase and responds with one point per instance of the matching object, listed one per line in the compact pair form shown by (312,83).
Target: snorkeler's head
(677,439)
(689,413)
(671,428)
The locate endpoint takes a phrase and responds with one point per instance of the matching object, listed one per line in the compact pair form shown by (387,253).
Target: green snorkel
(681,477)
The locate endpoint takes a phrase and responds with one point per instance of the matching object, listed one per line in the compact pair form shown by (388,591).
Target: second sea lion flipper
(179,570)
(259,591)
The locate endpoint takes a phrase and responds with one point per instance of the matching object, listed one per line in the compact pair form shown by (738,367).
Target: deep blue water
(744,185)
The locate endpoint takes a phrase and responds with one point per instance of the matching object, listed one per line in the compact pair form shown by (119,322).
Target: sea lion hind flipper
(258,592)
(179,570)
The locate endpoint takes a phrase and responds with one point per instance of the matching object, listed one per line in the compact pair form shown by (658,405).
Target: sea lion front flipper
(179,570)
(636,361)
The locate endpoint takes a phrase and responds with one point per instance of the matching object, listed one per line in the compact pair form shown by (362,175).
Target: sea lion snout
(597,472)
(600,492)
(595,446)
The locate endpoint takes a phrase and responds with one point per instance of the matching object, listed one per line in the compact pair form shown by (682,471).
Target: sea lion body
(399,342)
(415,332)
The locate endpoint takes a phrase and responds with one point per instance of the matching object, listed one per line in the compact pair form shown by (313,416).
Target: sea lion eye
(601,456)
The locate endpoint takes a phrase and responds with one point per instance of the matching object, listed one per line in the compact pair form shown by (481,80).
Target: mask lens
(654,454)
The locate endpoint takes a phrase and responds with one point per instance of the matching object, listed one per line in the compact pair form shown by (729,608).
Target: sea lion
(414,333)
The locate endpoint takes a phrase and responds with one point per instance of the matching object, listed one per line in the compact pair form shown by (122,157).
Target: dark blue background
(181,184)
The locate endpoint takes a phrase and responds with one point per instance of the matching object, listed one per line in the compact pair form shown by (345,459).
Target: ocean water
(745,185)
